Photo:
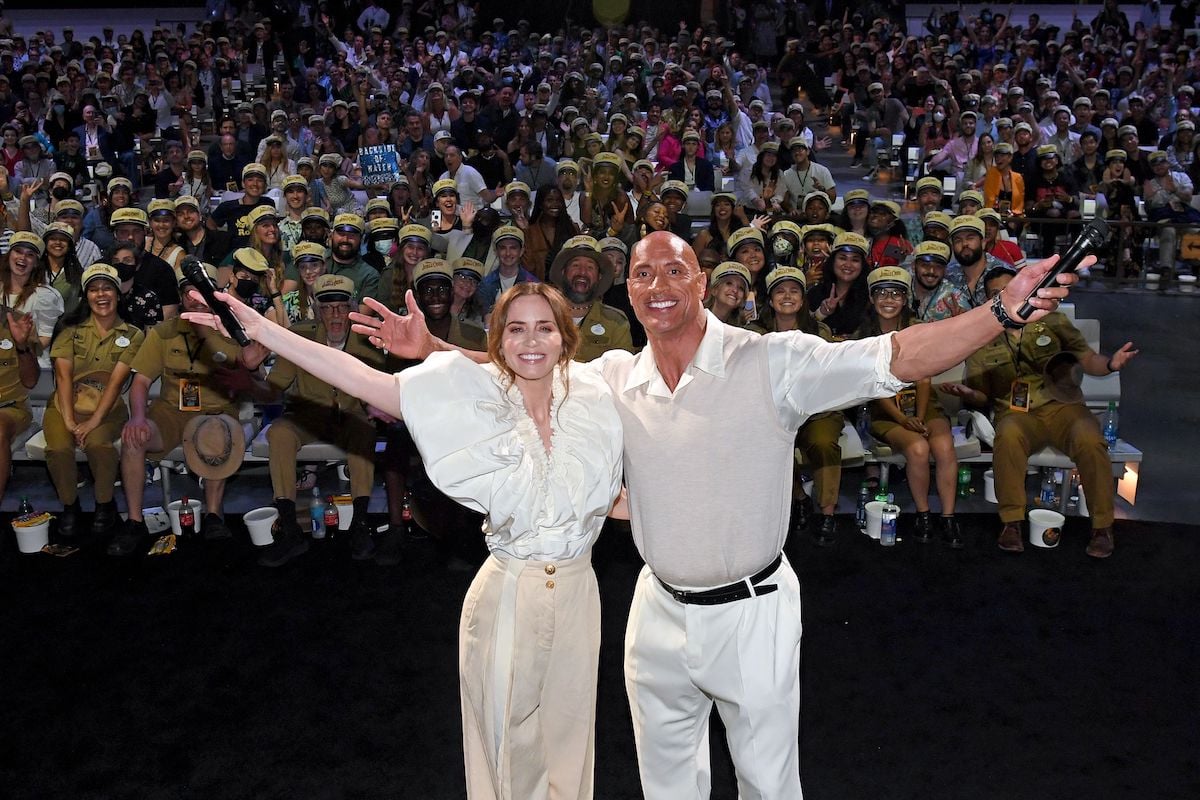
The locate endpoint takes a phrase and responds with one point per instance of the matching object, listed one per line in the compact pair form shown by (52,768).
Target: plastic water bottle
(318,514)
(887,525)
(860,515)
(1046,497)
(863,425)
(964,481)
(1110,425)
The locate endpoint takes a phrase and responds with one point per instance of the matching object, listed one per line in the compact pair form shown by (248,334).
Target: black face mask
(126,271)
(60,193)
(246,287)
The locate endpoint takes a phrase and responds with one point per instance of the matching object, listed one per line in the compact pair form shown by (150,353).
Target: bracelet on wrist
(1110,367)
(1001,314)
(276,295)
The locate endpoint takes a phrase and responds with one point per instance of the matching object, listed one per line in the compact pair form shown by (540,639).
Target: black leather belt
(728,594)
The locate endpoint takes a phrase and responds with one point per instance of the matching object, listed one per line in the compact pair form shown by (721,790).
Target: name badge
(597,329)
(1019,399)
(189,395)
(1042,340)
(122,341)
(6,344)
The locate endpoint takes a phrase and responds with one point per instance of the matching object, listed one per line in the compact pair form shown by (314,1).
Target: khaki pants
(818,439)
(528,654)
(354,434)
(101,454)
(1071,428)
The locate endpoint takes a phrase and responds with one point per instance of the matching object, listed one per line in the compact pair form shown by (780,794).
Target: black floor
(928,673)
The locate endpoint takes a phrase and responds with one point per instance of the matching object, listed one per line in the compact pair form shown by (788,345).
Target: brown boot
(1010,538)
(1101,543)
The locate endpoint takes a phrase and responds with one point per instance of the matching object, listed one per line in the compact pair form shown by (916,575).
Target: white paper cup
(345,515)
(33,538)
(1045,527)
(989,486)
(1187,284)
(173,512)
(874,517)
(259,522)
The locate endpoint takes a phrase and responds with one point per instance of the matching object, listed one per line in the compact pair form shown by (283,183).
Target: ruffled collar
(527,431)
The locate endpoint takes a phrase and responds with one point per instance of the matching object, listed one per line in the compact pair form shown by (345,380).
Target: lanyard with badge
(1018,398)
(189,386)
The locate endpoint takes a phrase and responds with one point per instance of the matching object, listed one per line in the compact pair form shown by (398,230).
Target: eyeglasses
(889,294)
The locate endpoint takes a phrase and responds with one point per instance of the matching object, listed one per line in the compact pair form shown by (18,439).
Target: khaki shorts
(170,423)
(16,417)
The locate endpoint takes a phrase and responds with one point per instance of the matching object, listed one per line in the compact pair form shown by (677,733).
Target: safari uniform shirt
(90,351)
(604,328)
(993,368)
(174,351)
(12,391)
(310,396)
(365,277)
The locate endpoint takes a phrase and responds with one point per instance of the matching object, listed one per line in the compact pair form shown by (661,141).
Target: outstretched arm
(332,366)
(921,351)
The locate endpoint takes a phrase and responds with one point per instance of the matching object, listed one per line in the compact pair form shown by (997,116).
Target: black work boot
(105,518)
(952,533)
(129,538)
(290,541)
(923,527)
(802,511)
(825,532)
(68,522)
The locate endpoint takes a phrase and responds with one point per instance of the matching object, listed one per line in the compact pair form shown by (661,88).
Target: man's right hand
(405,336)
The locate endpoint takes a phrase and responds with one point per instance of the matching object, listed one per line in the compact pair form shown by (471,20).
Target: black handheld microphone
(1092,238)
(194,272)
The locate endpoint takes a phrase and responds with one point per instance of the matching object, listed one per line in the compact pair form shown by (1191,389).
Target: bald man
(716,611)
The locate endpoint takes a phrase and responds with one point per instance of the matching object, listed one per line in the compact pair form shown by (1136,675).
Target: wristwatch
(1002,316)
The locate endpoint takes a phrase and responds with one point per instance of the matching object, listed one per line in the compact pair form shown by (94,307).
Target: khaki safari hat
(214,445)
(589,248)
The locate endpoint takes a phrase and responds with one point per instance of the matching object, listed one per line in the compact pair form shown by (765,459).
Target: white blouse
(481,448)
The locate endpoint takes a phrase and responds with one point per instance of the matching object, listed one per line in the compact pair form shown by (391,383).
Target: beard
(580,298)
(969,255)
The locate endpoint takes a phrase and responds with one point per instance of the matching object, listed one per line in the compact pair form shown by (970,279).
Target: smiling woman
(533,441)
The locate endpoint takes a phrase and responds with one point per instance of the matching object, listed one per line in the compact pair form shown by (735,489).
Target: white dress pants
(743,656)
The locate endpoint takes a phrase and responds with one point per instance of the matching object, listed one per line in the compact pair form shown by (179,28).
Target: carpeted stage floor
(927,673)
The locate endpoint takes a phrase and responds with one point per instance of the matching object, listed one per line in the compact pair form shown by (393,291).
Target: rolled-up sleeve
(809,375)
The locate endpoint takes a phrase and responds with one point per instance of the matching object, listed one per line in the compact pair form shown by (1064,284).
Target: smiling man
(315,411)
(584,276)
(716,612)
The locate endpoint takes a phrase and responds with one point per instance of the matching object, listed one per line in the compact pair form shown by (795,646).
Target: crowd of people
(529,160)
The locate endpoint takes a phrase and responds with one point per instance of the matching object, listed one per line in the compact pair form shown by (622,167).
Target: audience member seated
(818,438)
(199,372)
(1029,378)
(584,277)
(91,353)
(316,412)
(913,422)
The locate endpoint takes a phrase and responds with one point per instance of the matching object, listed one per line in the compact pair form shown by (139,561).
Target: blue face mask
(384,246)
(60,108)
